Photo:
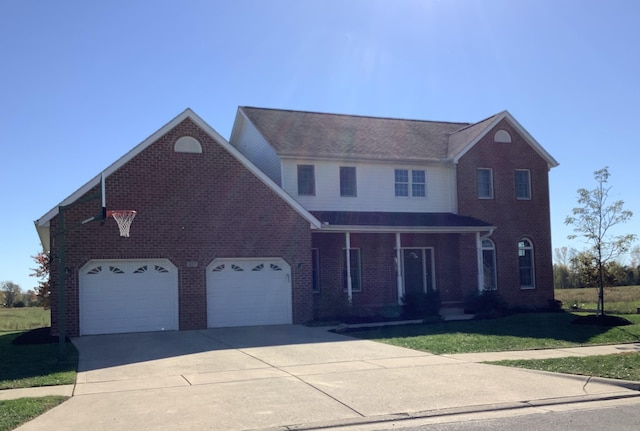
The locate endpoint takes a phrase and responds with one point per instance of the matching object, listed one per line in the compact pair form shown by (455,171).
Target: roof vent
(502,136)
(187,144)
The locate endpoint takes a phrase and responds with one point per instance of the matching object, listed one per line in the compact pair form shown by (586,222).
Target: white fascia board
(44,220)
(551,162)
(405,229)
(45,238)
(187,113)
(237,124)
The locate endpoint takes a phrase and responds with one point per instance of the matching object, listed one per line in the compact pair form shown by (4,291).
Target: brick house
(455,207)
(255,230)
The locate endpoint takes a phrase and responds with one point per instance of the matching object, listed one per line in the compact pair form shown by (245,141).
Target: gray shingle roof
(311,134)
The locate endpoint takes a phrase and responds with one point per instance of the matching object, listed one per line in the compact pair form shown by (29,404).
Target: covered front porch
(377,259)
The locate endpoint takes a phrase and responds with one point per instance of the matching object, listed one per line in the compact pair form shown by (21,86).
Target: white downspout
(398,268)
(348,263)
(480,263)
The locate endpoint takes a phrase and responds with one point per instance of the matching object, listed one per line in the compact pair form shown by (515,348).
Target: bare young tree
(11,293)
(593,220)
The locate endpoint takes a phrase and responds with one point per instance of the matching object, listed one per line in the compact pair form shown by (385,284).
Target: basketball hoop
(124,219)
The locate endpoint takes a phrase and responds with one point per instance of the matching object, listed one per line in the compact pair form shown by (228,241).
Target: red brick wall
(515,219)
(191,208)
(378,254)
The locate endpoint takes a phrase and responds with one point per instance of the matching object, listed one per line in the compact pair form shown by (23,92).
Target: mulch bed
(604,320)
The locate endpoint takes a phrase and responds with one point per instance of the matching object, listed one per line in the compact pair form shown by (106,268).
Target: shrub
(554,305)
(487,304)
(331,305)
(421,305)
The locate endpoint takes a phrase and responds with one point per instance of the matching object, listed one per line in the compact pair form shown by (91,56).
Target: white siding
(254,147)
(375,187)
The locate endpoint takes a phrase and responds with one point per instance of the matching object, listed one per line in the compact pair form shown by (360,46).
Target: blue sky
(82,82)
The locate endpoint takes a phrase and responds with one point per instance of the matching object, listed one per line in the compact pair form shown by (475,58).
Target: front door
(416,263)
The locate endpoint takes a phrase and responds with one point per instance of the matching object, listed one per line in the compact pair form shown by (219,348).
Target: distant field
(620,300)
(21,319)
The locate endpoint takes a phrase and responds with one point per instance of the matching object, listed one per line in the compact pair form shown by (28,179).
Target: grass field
(22,319)
(617,300)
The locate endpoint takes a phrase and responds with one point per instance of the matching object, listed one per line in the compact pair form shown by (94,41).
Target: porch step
(451,312)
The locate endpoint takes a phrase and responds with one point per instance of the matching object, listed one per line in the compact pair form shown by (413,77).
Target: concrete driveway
(277,376)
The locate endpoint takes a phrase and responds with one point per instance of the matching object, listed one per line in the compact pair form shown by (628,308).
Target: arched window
(489,273)
(525,264)
(502,136)
(187,144)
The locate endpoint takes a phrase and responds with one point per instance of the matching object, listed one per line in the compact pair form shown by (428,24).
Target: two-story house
(408,205)
(297,206)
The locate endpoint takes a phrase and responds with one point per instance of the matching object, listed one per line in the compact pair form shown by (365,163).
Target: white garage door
(247,292)
(128,296)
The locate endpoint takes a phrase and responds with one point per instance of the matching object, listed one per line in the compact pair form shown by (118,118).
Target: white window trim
(431,263)
(410,183)
(313,169)
(533,269)
(355,179)
(528,198)
(492,194)
(495,262)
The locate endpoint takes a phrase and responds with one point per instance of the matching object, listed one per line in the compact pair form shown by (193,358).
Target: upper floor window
(416,183)
(485,183)
(306,180)
(348,181)
(525,264)
(523,184)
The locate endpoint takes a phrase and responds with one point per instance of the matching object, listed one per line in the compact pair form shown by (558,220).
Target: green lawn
(24,366)
(624,366)
(21,319)
(13,413)
(517,332)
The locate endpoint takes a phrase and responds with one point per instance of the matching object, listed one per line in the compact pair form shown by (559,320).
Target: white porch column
(399,267)
(348,263)
(480,263)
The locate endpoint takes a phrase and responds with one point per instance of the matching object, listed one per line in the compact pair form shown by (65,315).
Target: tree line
(12,295)
(578,269)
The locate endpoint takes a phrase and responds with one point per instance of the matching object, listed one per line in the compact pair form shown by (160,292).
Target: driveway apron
(277,376)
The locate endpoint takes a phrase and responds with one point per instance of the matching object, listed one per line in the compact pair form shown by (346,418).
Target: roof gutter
(327,228)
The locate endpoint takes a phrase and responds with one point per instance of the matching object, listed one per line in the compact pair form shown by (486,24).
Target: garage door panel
(245,292)
(128,296)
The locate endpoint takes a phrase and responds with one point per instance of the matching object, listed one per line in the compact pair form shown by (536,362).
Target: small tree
(11,293)
(593,220)
(42,273)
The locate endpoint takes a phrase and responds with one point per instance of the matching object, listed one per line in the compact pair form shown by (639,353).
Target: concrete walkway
(292,377)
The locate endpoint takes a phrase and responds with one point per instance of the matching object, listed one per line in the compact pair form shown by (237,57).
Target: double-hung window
(523,184)
(410,183)
(306,180)
(348,181)
(485,183)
